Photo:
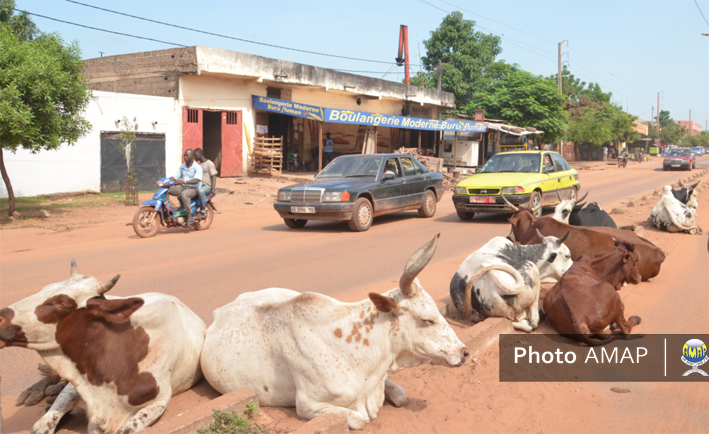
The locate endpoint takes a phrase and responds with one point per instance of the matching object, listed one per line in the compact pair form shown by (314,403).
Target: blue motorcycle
(160,211)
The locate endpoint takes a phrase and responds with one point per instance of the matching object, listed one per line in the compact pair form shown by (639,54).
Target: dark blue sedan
(357,188)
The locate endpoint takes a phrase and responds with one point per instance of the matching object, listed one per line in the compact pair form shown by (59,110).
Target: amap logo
(694,354)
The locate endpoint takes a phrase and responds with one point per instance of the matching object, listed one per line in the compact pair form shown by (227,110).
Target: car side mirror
(388,175)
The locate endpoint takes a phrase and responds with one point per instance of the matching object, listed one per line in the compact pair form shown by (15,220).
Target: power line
(227,37)
(700,11)
(607,72)
(96,28)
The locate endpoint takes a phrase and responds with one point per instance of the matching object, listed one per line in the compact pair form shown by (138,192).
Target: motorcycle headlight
(336,196)
(284,195)
(461,190)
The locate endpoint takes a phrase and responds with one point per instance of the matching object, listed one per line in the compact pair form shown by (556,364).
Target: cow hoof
(523,325)
(395,394)
(637,319)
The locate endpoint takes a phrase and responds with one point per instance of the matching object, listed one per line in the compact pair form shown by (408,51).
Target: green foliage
(692,141)
(21,25)
(665,119)
(524,99)
(468,59)
(234,423)
(671,133)
(578,92)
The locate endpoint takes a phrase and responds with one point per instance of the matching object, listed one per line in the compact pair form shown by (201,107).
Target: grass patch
(233,423)
(617,211)
(74,201)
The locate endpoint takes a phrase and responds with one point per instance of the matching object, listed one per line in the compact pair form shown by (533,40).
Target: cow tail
(678,224)
(468,302)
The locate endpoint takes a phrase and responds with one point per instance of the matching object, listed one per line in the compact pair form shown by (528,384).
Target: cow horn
(562,239)
(558,195)
(694,186)
(579,200)
(536,208)
(630,247)
(509,204)
(539,234)
(74,268)
(108,285)
(416,263)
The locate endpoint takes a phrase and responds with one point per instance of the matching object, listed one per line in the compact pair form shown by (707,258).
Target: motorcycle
(160,211)
(622,161)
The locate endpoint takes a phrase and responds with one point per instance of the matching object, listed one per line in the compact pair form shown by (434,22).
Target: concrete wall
(78,167)
(693,128)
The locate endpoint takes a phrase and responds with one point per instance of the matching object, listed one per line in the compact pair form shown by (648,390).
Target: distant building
(693,128)
(640,126)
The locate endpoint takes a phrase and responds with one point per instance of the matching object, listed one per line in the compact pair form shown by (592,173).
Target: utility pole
(558,77)
(652,113)
(439,74)
(658,111)
(690,123)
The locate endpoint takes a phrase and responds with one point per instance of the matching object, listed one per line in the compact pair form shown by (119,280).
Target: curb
(325,424)
(485,334)
(201,416)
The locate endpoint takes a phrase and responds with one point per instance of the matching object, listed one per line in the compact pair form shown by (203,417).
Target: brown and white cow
(123,357)
(324,356)
(585,301)
(585,240)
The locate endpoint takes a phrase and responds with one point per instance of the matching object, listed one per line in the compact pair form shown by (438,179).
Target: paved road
(255,250)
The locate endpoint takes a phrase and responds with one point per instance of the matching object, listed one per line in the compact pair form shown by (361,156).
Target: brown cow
(585,240)
(584,302)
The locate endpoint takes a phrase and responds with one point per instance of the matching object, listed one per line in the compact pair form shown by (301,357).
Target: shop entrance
(219,134)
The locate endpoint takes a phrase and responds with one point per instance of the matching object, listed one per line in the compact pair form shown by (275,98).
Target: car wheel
(536,201)
(362,215)
(428,207)
(295,223)
(465,215)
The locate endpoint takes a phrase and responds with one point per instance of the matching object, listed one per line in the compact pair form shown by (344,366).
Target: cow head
(684,193)
(692,199)
(420,331)
(33,322)
(625,268)
(565,207)
(557,257)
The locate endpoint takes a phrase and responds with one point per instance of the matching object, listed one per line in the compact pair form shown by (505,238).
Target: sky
(634,49)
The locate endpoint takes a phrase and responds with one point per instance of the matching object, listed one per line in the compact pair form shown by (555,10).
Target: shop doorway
(219,134)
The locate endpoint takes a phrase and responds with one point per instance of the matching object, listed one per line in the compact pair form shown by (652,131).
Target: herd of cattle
(124,358)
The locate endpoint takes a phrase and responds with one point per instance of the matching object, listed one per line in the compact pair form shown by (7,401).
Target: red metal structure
(404,47)
(232,158)
(192,121)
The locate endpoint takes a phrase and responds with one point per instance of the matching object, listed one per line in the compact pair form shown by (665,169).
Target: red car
(679,158)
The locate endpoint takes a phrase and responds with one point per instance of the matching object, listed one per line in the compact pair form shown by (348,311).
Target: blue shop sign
(287,107)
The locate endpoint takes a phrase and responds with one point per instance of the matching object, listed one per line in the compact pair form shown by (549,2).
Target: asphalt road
(255,250)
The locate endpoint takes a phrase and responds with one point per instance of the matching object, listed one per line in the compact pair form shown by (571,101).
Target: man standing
(605,153)
(327,151)
(209,177)
(188,180)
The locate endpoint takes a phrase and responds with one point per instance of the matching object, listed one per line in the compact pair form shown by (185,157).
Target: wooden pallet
(267,156)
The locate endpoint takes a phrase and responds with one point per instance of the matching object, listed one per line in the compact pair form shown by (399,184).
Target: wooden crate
(267,156)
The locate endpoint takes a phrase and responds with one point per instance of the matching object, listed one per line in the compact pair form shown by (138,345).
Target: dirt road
(249,248)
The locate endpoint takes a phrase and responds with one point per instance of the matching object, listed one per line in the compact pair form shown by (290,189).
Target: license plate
(482,200)
(675,165)
(303,209)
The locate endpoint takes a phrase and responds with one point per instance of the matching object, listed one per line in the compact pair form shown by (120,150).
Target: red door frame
(232,154)
(192,137)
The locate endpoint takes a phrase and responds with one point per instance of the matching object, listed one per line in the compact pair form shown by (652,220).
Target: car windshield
(512,163)
(352,167)
(679,152)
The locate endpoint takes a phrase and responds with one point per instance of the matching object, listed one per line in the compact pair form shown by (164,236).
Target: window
(559,163)
(392,166)
(408,166)
(273,92)
(231,118)
(192,116)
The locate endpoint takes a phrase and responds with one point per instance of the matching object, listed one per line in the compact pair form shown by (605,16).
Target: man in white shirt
(188,180)
(327,151)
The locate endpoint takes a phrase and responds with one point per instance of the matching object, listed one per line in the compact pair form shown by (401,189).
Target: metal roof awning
(511,129)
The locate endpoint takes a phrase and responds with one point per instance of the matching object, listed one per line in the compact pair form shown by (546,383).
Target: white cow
(671,215)
(502,279)
(123,357)
(324,356)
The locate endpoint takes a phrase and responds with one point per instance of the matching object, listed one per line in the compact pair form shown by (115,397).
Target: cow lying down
(123,357)
(324,356)
(671,215)
(584,304)
(503,279)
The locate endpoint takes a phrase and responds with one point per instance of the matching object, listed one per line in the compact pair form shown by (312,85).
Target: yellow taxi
(527,178)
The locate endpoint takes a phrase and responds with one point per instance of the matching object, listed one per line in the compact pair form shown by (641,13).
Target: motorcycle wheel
(206,222)
(146,222)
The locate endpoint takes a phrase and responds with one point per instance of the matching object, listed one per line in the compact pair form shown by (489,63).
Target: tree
(21,24)
(468,59)
(665,119)
(43,93)
(672,133)
(526,100)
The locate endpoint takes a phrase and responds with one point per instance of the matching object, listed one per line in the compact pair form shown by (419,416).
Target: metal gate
(149,160)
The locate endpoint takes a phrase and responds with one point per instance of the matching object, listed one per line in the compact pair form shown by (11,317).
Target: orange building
(693,128)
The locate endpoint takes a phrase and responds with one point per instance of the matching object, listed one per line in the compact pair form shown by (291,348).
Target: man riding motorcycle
(188,180)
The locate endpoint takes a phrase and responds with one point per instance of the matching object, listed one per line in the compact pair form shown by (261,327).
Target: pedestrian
(605,153)
(327,151)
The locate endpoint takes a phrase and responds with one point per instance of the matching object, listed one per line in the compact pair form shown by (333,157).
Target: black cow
(683,194)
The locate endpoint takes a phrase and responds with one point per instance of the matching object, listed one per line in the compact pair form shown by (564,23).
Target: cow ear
(382,303)
(55,308)
(114,311)
(626,257)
